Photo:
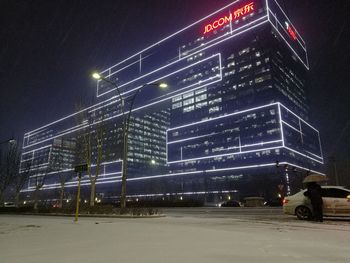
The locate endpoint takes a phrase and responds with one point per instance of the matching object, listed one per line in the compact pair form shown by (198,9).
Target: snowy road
(30,239)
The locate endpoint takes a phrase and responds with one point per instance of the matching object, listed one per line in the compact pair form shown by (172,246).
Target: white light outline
(197,172)
(72,169)
(290,22)
(109,69)
(199,51)
(295,53)
(110,75)
(223,116)
(304,155)
(45,126)
(155,71)
(225,155)
(33,132)
(228,35)
(299,117)
(290,126)
(244,111)
(169,37)
(281,124)
(82,126)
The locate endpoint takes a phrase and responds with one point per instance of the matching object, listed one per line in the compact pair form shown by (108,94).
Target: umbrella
(314,178)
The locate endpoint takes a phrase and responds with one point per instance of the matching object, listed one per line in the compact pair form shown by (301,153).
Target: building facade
(233,122)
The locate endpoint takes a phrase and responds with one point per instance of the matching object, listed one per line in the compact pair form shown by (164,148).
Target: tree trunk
(36,200)
(92,193)
(17,199)
(61,196)
(1,199)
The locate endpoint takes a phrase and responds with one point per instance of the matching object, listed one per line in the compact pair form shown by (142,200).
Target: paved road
(244,213)
(221,212)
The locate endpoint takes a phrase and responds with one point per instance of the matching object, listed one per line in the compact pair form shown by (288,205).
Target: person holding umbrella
(314,193)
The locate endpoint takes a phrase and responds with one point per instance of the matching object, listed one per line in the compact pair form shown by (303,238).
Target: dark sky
(49,47)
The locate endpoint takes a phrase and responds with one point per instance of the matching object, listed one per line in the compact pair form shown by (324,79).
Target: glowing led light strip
(38,149)
(194,138)
(224,155)
(137,54)
(169,37)
(195,172)
(110,75)
(207,47)
(36,131)
(228,36)
(31,189)
(281,124)
(184,193)
(103,102)
(93,165)
(314,155)
(155,71)
(299,118)
(223,116)
(165,76)
(267,8)
(74,129)
(292,150)
(289,31)
(129,91)
(290,21)
(295,53)
(116,116)
(290,126)
(235,113)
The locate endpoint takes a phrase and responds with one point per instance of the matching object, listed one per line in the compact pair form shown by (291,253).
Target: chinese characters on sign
(291,31)
(227,19)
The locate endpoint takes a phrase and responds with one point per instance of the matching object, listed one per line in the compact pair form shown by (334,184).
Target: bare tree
(90,147)
(39,181)
(9,168)
(20,179)
(58,164)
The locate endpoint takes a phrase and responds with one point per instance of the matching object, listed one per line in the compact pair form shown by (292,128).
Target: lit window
(188,102)
(177,105)
(201,105)
(218,100)
(178,98)
(188,109)
(201,91)
(188,95)
(214,109)
(201,97)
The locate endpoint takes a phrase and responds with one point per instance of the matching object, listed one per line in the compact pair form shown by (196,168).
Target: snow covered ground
(38,239)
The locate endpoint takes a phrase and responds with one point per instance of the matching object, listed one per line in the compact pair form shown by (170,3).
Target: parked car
(336,202)
(274,202)
(9,204)
(230,203)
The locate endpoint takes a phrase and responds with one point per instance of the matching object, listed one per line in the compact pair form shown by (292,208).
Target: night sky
(48,49)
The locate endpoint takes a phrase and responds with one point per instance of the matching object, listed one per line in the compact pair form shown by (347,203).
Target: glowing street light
(96,75)
(163,85)
(10,141)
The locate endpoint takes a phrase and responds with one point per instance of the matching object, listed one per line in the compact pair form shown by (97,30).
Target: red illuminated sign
(291,32)
(227,19)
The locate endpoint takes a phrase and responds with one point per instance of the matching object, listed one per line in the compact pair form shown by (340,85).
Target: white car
(336,202)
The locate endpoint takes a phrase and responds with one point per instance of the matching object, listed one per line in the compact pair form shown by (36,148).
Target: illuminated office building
(233,122)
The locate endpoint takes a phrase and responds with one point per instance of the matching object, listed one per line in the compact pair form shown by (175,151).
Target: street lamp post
(10,141)
(126,123)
